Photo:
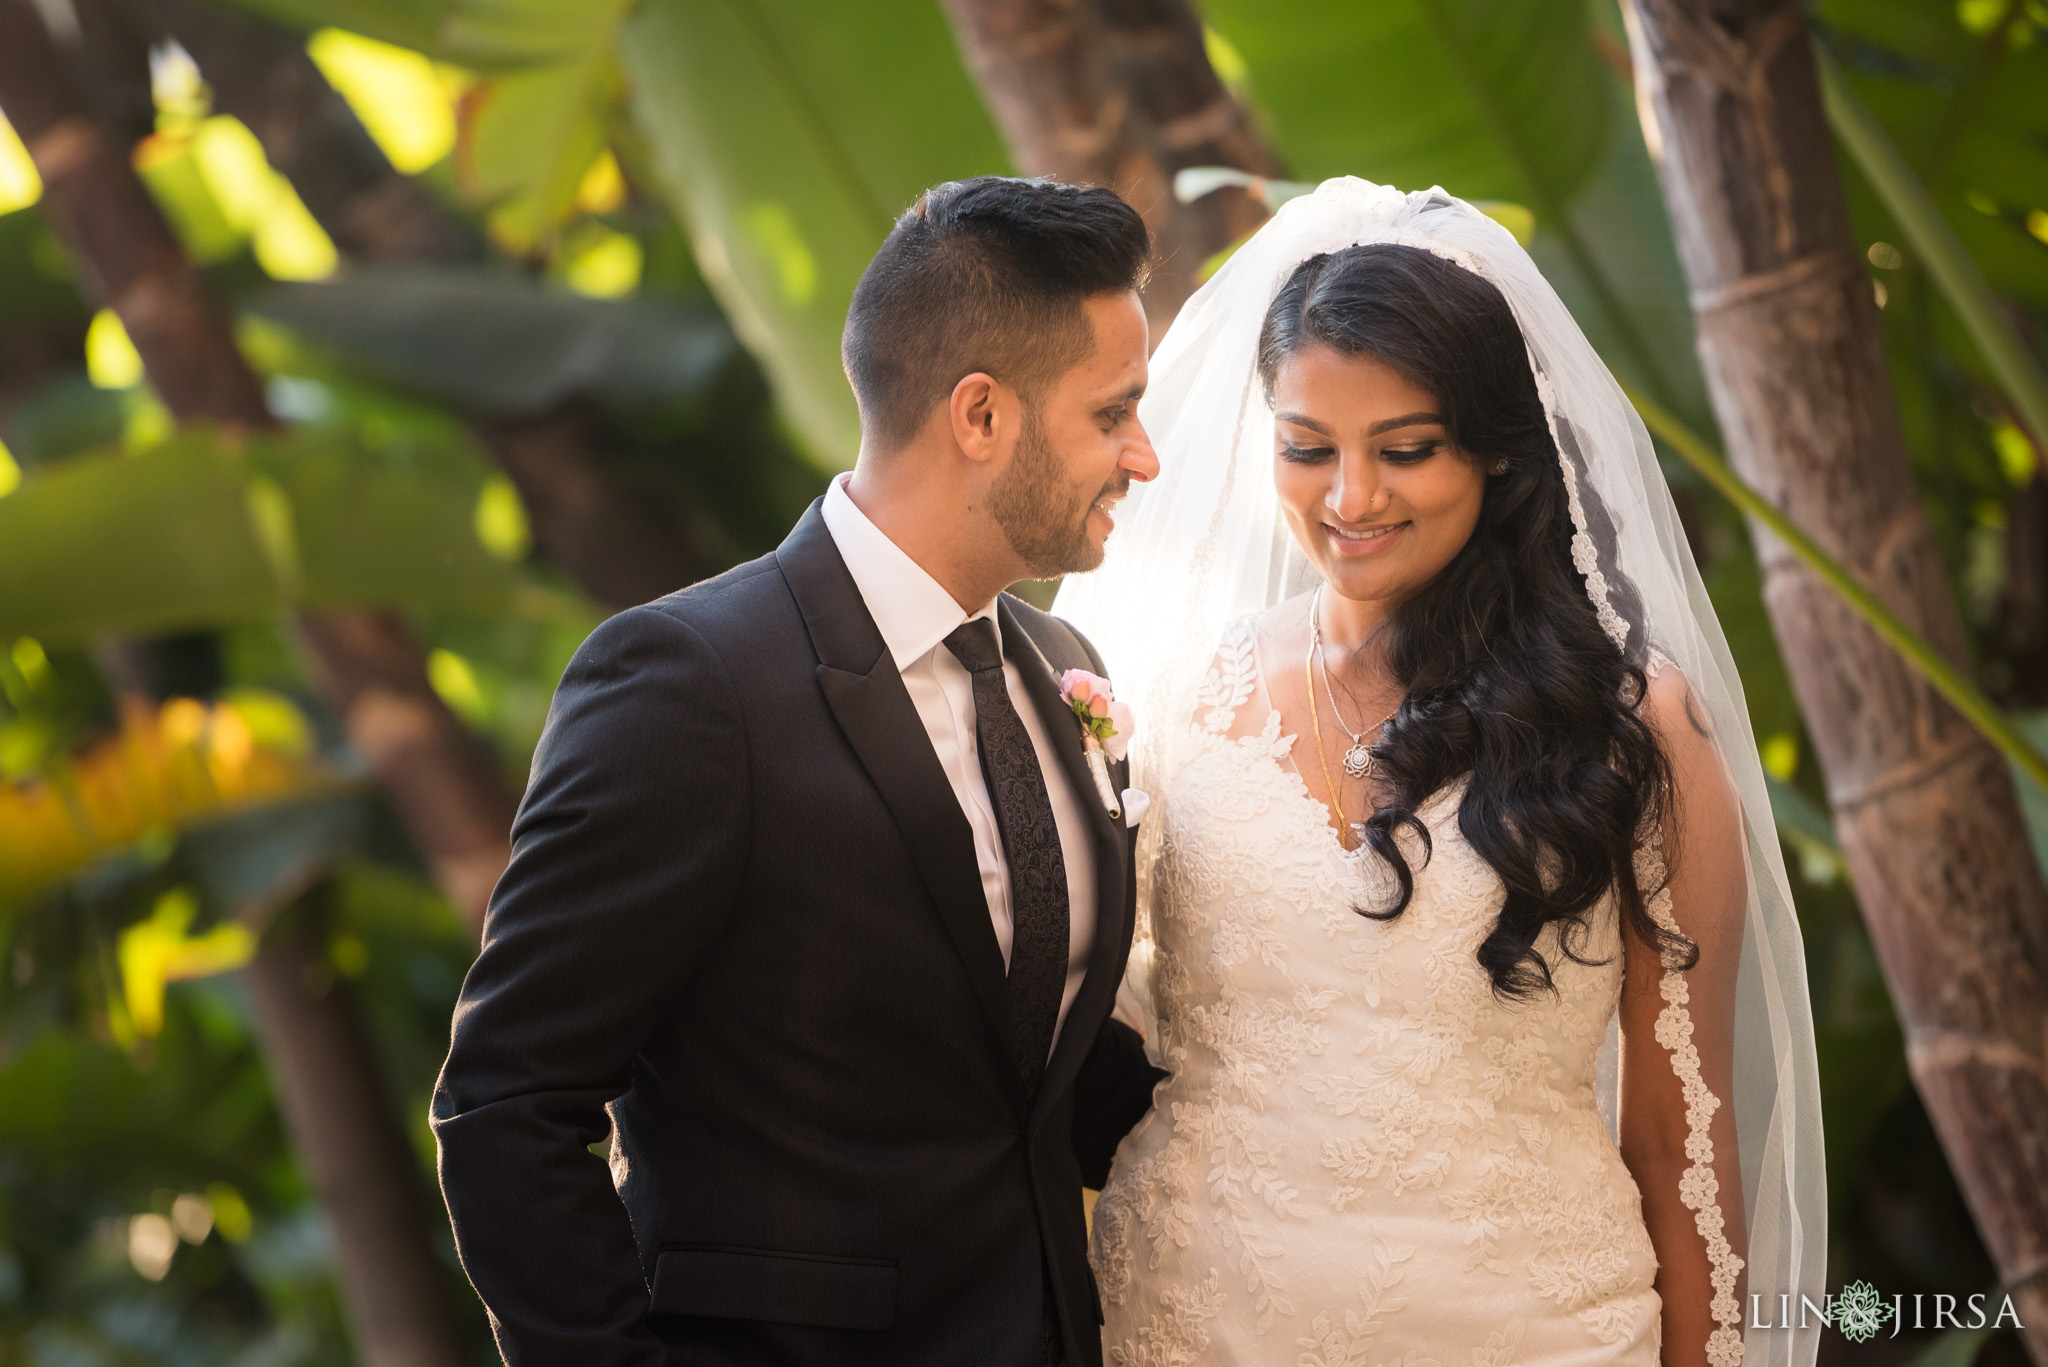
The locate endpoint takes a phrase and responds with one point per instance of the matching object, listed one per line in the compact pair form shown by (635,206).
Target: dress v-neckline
(1326,813)
(1298,788)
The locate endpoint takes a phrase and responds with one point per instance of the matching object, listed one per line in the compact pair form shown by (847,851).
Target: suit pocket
(780,1288)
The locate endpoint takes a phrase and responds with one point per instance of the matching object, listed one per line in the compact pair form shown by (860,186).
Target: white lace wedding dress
(1363,1156)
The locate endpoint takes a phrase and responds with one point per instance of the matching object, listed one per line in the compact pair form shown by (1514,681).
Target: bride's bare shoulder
(1676,712)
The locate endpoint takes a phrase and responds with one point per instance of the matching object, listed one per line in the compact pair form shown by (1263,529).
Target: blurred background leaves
(607,363)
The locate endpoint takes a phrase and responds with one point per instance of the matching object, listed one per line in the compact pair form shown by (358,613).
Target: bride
(1470,949)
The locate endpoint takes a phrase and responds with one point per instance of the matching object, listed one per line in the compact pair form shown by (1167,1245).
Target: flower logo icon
(1860,1312)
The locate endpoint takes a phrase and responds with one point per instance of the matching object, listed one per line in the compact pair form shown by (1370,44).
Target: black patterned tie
(1031,847)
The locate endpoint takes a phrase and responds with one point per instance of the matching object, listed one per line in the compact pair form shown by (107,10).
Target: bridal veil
(1204,544)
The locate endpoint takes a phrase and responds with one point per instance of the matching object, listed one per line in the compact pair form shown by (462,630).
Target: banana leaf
(206,531)
(1498,100)
(483,34)
(788,136)
(500,345)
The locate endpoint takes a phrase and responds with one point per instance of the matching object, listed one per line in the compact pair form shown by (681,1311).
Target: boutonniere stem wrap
(1106,727)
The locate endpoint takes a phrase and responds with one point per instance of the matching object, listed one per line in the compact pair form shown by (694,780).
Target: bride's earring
(1500,467)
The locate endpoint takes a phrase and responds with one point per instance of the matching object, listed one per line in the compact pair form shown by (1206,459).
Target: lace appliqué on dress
(1178,1336)
(1698,1188)
(1228,684)
(1333,1075)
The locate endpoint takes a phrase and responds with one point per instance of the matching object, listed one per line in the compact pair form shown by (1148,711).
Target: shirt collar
(912,610)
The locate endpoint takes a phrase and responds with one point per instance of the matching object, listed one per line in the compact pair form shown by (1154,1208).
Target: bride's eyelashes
(1397,455)
(1411,455)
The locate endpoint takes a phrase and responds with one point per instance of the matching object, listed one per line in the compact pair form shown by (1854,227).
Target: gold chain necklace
(1345,830)
(1315,717)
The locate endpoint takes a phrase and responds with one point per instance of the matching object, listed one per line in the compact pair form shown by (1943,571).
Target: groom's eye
(1112,417)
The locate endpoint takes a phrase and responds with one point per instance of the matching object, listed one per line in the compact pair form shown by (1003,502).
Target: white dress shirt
(915,615)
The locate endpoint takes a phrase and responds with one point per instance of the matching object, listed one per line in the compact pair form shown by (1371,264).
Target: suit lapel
(1112,862)
(865,692)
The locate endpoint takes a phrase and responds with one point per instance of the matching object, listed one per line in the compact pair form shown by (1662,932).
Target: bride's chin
(1347,579)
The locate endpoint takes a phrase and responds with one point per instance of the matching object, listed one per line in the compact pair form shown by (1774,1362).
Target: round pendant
(1358,761)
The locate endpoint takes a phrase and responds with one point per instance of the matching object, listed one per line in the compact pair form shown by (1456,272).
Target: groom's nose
(1138,456)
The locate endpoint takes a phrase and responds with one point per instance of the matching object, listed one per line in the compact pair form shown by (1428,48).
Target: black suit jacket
(744,918)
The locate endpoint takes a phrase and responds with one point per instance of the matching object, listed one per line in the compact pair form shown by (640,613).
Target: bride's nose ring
(1377,501)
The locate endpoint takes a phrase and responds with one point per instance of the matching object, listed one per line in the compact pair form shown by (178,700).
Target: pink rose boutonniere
(1106,727)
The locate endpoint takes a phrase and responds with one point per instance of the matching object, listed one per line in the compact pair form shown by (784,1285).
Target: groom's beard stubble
(1045,523)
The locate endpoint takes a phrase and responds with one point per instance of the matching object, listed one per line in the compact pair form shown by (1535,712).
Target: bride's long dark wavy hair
(1509,676)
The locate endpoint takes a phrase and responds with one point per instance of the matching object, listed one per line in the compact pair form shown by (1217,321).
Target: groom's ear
(986,415)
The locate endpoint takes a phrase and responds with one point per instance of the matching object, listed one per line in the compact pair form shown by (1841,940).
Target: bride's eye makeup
(1393,455)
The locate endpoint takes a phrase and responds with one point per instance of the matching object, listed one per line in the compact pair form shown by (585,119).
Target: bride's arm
(1708,889)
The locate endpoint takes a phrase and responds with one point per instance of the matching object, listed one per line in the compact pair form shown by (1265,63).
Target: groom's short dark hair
(986,274)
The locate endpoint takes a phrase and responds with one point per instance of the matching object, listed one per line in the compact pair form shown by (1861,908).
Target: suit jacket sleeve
(1112,1092)
(626,856)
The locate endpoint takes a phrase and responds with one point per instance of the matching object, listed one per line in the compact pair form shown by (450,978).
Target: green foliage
(789,136)
(95,1137)
(498,344)
(528,137)
(1491,101)
(1961,103)
(206,530)
(488,35)
(766,147)
(1963,286)
(35,276)
(1965,108)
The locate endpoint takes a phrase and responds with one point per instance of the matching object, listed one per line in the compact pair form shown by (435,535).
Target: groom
(815,907)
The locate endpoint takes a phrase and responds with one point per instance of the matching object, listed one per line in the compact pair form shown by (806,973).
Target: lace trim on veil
(1699,1189)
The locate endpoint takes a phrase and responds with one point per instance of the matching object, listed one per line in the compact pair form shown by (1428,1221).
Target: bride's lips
(1363,541)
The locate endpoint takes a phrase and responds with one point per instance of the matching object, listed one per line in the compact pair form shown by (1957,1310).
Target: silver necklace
(1358,760)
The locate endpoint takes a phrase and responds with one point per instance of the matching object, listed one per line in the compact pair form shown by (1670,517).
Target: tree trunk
(1929,821)
(134,264)
(1120,96)
(623,546)
(348,1135)
(440,776)
(1190,120)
